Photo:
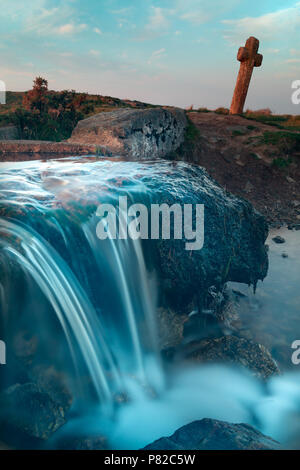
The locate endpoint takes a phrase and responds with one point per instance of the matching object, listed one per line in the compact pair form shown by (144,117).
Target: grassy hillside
(60,113)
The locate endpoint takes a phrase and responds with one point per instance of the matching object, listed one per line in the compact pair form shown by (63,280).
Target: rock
(231,349)
(290,180)
(210,434)
(170,327)
(234,238)
(30,412)
(137,133)
(20,150)
(278,239)
(249,187)
(4,446)
(83,443)
(9,133)
(25,346)
(284,255)
(54,383)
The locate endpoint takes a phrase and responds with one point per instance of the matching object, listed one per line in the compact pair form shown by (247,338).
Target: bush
(222,111)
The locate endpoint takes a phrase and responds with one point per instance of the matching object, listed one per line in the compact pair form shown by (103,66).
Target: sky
(169,52)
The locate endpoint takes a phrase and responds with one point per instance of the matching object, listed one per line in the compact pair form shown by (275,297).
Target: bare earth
(236,158)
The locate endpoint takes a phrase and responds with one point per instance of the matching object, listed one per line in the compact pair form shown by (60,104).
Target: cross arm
(258,60)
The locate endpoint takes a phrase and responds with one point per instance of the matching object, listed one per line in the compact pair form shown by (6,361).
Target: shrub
(222,111)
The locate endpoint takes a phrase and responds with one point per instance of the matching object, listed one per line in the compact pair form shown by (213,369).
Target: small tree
(36,99)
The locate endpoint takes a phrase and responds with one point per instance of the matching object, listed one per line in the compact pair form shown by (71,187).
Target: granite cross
(249,58)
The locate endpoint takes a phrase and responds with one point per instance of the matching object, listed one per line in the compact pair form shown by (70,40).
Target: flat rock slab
(210,434)
(136,133)
(9,133)
(20,148)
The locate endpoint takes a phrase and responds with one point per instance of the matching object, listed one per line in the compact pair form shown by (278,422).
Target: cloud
(202,11)
(97,31)
(41,20)
(121,11)
(268,26)
(94,53)
(199,17)
(293,61)
(158,18)
(156,55)
(70,28)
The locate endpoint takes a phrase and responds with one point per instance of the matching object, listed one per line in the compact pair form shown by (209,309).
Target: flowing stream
(92,304)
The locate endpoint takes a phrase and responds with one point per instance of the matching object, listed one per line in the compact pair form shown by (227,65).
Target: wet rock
(210,434)
(83,443)
(54,383)
(249,187)
(234,239)
(231,349)
(138,133)
(170,327)
(4,446)
(25,346)
(28,411)
(279,240)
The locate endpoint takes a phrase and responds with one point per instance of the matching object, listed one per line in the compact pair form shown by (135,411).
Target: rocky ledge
(23,149)
(136,133)
(210,434)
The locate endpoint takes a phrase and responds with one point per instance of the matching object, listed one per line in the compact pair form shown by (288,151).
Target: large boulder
(231,349)
(9,133)
(210,434)
(234,237)
(29,413)
(137,133)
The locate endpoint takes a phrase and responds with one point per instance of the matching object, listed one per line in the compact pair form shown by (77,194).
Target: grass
(237,133)
(281,163)
(191,132)
(285,141)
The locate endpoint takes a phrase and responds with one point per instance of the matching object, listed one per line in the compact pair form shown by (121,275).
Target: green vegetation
(284,122)
(284,140)
(237,133)
(281,163)
(191,132)
(43,114)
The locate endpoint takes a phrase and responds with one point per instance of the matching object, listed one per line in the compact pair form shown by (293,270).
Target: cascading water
(108,320)
(62,283)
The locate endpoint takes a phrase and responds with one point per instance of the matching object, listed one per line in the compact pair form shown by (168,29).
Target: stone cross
(249,58)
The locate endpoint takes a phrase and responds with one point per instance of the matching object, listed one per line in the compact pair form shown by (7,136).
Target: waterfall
(107,338)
